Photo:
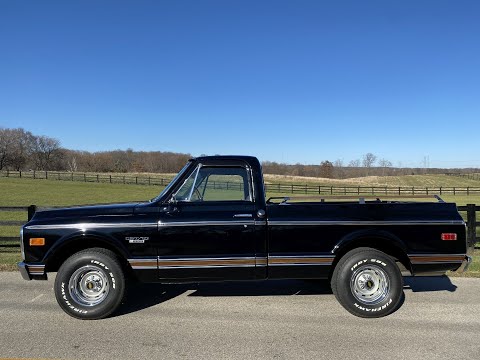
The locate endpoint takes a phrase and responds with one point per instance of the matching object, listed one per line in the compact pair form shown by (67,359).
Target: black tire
(368,283)
(90,284)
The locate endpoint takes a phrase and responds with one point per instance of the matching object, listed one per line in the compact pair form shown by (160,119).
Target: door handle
(242,215)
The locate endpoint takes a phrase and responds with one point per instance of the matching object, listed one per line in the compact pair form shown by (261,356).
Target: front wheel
(368,283)
(90,284)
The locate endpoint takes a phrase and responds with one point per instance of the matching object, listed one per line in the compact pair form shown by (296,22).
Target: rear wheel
(90,284)
(368,283)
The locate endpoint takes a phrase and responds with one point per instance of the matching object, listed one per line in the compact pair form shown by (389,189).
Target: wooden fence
(14,242)
(306,189)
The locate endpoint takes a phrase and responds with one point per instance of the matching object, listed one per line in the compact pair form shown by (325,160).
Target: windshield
(167,188)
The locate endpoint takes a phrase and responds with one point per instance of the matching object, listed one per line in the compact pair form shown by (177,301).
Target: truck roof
(227,157)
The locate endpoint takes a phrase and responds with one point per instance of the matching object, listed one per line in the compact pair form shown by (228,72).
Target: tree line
(22,150)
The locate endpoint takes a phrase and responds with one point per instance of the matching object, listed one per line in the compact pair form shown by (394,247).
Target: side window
(213,183)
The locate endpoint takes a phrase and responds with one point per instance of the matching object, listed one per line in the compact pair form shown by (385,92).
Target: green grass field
(44,193)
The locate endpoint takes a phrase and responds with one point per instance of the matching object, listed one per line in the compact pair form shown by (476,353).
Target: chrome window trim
(247,168)
(172,183)
(194,183)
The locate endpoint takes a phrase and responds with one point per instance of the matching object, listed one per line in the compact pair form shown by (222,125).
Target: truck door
(207,232)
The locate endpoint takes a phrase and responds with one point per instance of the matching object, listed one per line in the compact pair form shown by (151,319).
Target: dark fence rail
(369,190)
(474,176)
(306,189)
(87,177)
(14,242)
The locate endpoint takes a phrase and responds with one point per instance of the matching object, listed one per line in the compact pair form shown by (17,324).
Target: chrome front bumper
(32,271)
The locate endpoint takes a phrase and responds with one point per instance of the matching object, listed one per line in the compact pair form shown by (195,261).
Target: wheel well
(73,247)
(380,244)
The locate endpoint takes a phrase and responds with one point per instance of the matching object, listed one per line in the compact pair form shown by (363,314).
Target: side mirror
(171,206)
(173,200)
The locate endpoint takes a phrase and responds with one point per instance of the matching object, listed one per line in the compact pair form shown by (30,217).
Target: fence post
(440,190)
(292,188)
(471,224)
(399,191)
(468,190)
(454,193)
(110,179)
(8,174)
(46,175)
(34,174)
(136,180)
(85,177)
(31,210)
(331,190)
(20,174)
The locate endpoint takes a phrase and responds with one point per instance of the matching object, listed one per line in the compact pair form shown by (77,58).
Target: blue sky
(289,81)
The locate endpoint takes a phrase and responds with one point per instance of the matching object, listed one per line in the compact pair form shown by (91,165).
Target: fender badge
(137,239)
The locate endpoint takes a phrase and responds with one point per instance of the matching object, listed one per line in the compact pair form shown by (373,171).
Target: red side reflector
(449,236)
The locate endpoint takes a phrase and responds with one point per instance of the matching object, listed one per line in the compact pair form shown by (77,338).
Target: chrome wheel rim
(89,285)
(370,284)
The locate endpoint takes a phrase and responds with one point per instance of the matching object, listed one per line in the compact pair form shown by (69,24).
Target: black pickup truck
(213,223)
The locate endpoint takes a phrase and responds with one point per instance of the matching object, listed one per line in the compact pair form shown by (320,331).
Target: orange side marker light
(37,241)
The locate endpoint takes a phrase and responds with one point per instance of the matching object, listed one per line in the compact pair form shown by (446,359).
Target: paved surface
(440,319)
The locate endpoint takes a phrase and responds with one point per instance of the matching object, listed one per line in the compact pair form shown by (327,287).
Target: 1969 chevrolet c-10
(213,223)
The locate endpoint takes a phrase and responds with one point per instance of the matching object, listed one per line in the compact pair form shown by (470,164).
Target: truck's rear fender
(381,240)
(77,241)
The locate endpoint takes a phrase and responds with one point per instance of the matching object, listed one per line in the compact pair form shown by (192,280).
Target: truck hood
(85,211)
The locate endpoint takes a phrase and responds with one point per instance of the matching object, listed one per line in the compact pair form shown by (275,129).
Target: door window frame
(243,165)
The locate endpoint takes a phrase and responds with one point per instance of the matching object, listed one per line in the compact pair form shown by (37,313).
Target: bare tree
(368,161)
(22,148)
(15,148)
(384,164)
(72,164)
(5,147)
(354,163)
(45,148)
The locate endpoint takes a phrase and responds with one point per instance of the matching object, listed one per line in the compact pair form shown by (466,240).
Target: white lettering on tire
(64,297)
(360,307)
